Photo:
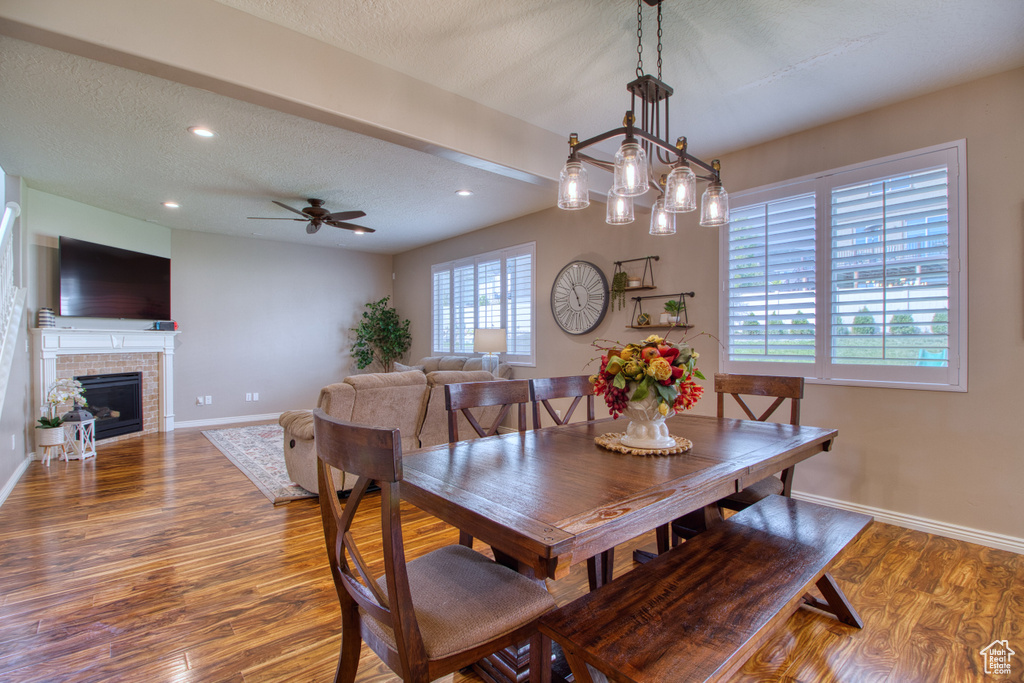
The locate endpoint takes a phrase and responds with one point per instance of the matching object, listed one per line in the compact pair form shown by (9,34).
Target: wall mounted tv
(97,281)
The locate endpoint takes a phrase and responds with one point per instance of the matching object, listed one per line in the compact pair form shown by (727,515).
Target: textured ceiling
(115,138)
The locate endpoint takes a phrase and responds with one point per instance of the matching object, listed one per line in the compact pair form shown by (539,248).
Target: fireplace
(116,402)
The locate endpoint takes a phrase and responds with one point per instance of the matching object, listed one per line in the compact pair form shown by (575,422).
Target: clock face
(579,297)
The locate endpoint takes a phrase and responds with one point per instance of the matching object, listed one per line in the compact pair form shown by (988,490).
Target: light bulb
(681,190)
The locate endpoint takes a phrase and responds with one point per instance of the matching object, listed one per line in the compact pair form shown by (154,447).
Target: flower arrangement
(654,367)
(62,392)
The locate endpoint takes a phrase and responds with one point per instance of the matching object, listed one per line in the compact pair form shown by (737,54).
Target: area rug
(258,451)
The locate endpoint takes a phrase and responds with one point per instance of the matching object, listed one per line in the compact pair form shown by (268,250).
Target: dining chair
(461,397)
(427,617)
(738,386)
(545,389)
(577,387)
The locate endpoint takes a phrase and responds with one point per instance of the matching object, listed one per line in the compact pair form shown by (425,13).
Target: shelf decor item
(647,382)
(45,318)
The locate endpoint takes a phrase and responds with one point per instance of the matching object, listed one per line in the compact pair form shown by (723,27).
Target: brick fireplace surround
(61,353)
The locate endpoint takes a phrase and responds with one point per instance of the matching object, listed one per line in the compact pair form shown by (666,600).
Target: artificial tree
(381,336)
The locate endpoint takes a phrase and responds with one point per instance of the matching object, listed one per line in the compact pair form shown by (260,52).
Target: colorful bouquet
(654,367)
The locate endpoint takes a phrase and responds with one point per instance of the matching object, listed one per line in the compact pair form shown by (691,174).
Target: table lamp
(490,341)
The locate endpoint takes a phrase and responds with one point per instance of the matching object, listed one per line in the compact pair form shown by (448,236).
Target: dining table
(550,498)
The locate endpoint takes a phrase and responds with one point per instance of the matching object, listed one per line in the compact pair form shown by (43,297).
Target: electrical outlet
(199,400)
(209,400)
(248,397)
(255,396)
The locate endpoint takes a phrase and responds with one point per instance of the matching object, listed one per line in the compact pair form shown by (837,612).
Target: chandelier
(634,164)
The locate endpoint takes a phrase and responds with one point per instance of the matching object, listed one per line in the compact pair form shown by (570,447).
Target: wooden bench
(699,611)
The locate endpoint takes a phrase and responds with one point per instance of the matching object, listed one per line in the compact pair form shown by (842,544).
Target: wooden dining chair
(427,617)
(462,397)
(577,387)
(545,389)
(738,386)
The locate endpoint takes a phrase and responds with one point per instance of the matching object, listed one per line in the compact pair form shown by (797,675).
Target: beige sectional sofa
(411,401)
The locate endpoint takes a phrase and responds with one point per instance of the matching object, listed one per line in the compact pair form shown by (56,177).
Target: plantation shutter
(464,307)
(519,305)
(770,290)
(441,312)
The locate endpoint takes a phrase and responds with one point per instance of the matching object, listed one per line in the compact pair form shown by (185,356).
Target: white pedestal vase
(646,428)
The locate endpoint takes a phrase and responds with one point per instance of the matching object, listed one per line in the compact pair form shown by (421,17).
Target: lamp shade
(490,340)
(573,187)
(620,209)
(662,222)
(714,206)
(630,170)
(681,190)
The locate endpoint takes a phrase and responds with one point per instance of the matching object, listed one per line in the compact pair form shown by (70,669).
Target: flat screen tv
(97,281)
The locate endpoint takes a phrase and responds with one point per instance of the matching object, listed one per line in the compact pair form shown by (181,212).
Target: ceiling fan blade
(312,228)
(285,206)
(349,226)
(345,215)
(267,218)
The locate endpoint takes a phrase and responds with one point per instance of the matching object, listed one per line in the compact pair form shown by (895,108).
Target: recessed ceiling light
(201,132)
(172,205)
(464,193)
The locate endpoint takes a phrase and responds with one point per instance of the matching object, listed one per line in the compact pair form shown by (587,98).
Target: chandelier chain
(639,39)
(659,41)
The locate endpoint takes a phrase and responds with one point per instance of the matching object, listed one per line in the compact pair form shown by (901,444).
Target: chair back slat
(544,389)
(373,455)
(463,396)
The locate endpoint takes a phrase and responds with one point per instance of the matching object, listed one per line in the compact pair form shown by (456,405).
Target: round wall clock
(579,297)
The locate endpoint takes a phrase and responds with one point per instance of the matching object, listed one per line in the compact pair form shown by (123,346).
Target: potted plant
(381,336)
(618,290)
(62,392)
(673,307)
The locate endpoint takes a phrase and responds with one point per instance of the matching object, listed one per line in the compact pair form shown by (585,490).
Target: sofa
(411,401)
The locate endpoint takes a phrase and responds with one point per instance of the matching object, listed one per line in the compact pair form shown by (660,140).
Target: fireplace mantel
(51,342)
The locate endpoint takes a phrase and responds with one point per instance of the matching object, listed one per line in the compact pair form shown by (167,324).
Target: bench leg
(580,671)
(835,602)
(599,568)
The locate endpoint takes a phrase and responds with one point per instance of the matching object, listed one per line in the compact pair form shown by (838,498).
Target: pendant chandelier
(643,146)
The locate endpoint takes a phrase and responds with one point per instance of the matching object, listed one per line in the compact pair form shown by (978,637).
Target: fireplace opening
(116,402)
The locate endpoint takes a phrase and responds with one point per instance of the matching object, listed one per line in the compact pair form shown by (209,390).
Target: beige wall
(954,458)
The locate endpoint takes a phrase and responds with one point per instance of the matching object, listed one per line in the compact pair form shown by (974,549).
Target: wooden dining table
(547,499)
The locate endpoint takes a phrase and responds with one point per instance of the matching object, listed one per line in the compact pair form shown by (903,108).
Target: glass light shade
(662,222)
(620,209)
(573,187)
(714,207)
(630,170)
(681,190)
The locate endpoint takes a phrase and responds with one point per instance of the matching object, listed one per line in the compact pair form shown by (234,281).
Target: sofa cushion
(434,429)
(452,363)
(395,400)
(337,400)
(477,364)
(401,367)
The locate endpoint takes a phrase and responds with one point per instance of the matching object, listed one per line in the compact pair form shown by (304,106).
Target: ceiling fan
(317,215)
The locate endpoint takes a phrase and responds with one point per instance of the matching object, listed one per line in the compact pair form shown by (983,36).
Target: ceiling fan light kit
(315,216)
(642,146)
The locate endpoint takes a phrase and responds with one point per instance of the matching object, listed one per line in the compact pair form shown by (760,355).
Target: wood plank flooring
(159,561)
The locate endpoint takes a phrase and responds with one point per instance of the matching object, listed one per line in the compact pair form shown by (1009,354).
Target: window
(853,276)
(490,290)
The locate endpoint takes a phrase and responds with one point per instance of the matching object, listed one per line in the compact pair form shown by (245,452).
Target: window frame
(822,370)
(502,256)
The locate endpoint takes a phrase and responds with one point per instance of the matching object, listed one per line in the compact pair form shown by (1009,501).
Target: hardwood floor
(159,561)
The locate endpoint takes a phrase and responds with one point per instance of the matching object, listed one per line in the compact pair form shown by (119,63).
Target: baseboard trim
(218,421)
(15,476)
(931,526)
